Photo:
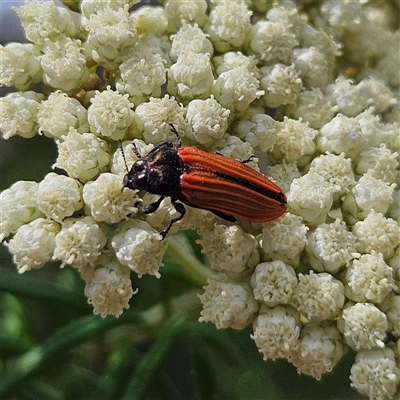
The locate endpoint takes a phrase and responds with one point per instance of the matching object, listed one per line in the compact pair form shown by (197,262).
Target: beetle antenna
(176,134)
(136,151)
(123,154)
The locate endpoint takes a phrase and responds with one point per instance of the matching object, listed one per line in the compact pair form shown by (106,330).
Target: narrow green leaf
(152,361)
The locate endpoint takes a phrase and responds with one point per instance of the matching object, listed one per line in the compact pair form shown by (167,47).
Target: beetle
(211,181)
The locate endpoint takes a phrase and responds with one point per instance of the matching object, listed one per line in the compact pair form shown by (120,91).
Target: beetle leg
(153,206)
(251,158)
(181,209)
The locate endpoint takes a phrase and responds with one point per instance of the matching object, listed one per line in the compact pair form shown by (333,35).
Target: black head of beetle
(158,172)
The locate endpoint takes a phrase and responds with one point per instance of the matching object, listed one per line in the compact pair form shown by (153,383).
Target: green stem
(189,263)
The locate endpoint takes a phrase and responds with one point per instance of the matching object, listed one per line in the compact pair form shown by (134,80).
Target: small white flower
(271,42)
(185,10)
(341,135)
(330,247)
(142,75)
(283,174)
(138,246)
(311,37)
(149,20)
(18,114)
(153,117)
(391,306)
(18,206)
(375,373)
(64,65)
(335,169)
(190,77)
(313,67)
(363,326)
(60,112)
(273,283)
(368,193)
(284,238)
(108,285)
(59,196)
(232,59)
(83,156)
(368,279)
(319,296)
(79,242)
(294,141)
(190,38)
(381,161)
(313,209)
(313,107)
(377,233)
(281,84)
(258,129)
(208,119)
(105,201)
(110,114)
(229,249)
(19,65)
(229,25)
(276,332)
(42,20)
(228,305)
(320,348)
(33,244)
(237,88)
(111,36)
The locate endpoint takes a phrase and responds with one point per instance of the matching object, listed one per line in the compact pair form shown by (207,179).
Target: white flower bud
(273,283)
(18,206)
(152,119)
(319,296)
(276,332)
(190,38)
(320,348)
(19,65)
(108,285)
(294,141)
(18,114)
(59,196)
(363,326)
(142,75)
(105,201)
(190,77)
(236,89)
(330,247)
(64,65)
(42,20)
(110,114)
(83,156)
(149,20)
(375,373)
(138,246)
(111,36)
(229,25)
(377,233)
(185,10)
(368,279)
(228,304)
(313,209)
(33,245)
(79,242)
(229,249)
(271,42)
(208,119)
(284,238)
(58,113)
(281,84)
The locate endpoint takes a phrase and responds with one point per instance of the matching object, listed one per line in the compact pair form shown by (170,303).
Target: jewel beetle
(210,181)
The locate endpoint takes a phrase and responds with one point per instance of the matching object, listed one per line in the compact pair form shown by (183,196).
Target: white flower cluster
(322,278)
